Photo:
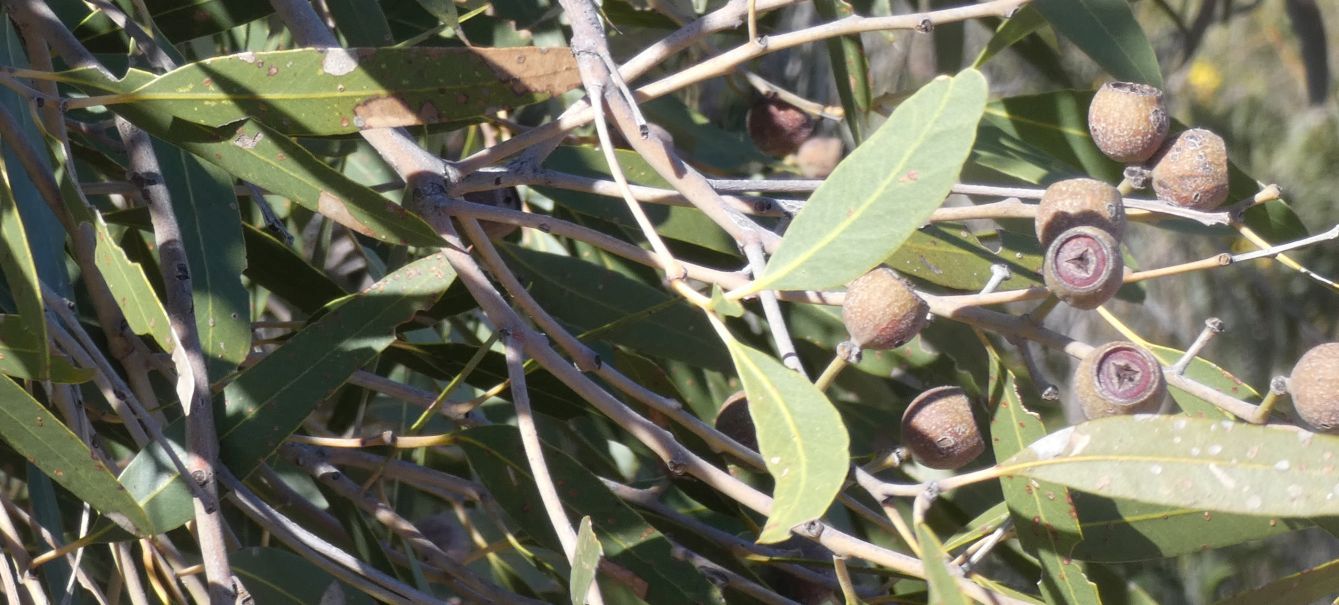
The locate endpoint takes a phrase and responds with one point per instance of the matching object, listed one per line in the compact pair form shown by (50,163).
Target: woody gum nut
(1083,267)
(1128,121)
(939,429)
(777,127)
(1077,202)
(1119,378)
(734,420)
(881,311)
(1192,172)
(1314,385)
(819,156)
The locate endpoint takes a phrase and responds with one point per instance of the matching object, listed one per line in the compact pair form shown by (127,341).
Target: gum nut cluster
(1083,267)
(1314,385)
(1076,202)
(734,421)
(1192,171)
(1128,121)
(881,311)
(939,429)
(1119,378)
(777,127)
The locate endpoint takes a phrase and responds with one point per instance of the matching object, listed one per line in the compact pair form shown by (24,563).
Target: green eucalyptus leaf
(801,438)
(885,190)
(1022,24)
(19,353)
(341,91)
(1214,465)
(277,576)
(949,255)
(211,233)
(584,561)
(137,299)
(1106,31)
(40,436)
(944,589)
(20,270)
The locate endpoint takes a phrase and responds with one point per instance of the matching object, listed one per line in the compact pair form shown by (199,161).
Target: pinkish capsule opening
(1127,374)
(1081,261)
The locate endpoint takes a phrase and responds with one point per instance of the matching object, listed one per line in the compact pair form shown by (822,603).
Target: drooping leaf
(498,459)
(254,152)
(1022,24)
(850,69)
(16,260)
(46,442)
(1106,31)
(340,91)
(211,233)
(1044,514)
(585,561)
(1310,585)
(18,353)
(268,401)
(589,297)
(1192,463)
(949,255)
(361,22)
(944,589)
(134,295)
(282,271)
(800,436)
(180,20)
(884,191)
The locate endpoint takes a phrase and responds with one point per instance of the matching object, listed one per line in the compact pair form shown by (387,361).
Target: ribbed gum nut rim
(1127,374)
(1082,261)
(1135,88)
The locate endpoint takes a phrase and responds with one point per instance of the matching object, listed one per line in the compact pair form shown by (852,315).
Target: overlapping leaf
(16,260)
(1188,462)
(19,353)
(885,190)
(1106,31)
(800,436)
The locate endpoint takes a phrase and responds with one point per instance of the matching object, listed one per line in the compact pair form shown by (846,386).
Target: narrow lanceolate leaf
(1214,465)
(801,438)
(883,191)
(211,232)
(280,577)
(130,287)
(1022,24)
(1318,583)
(1106,31)
(944,589)
(16,260)
(19,352)
(584,561)
(338,91)
(1044,514)
(649,568)
(45,441)
(269,400)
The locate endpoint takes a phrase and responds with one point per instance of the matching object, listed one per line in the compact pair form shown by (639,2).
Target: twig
(776,322)
(534,455)
(722,576)
(1212,327)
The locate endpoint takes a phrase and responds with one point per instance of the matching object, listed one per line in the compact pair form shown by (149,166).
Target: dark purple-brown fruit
(1128,121)
(1084,267)
(1314,385)
(1192,172)
(939,429)
(507,199)
(1077,202)
(1119,378)
(881,311)
(733,420)
(777,127)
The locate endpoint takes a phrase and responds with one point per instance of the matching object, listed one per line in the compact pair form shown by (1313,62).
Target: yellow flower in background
(1204,80)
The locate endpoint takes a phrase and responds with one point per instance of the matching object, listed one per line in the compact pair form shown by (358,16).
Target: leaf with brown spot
(339,91)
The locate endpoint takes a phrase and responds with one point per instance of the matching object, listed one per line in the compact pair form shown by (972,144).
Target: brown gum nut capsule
(881,311)
(733,419)
(939,429)
(1128,121)
(1119,378)
(819,156)
(1084,267)
(777,127)
(1192,171)
(1314,385)
(1076,202)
